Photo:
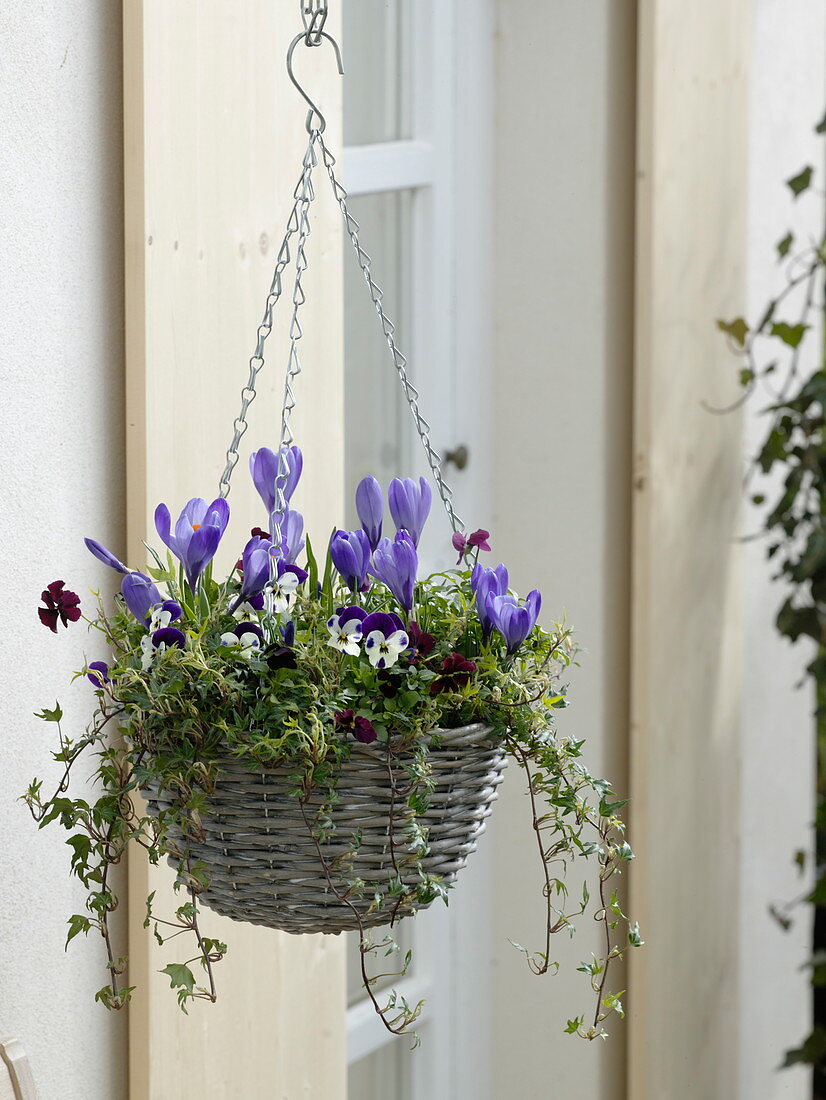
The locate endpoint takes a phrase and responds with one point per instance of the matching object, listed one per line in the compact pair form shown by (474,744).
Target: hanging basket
(264,866)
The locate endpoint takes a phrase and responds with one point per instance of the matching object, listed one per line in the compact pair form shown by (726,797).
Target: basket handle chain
(299,222)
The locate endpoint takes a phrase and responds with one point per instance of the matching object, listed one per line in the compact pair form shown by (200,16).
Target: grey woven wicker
(265,868)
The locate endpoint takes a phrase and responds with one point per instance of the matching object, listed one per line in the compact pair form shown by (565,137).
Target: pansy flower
(165,613)
(454,674)
(385,638)
(97,672)
(248,638)
(346,629)
(157,641)
(62,606)
(477,540)
(361,728)
(284,586)
(421,643)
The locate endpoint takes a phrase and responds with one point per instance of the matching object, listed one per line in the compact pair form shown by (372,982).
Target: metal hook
(322,122)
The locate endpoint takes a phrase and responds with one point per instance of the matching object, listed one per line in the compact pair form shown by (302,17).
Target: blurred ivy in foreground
(793,452)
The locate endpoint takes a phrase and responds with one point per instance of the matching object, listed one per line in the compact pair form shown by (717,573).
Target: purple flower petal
(106,556)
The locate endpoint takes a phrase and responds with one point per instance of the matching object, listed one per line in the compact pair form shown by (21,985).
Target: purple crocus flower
(140,595)
(256,566)
(396,564)
(264,470)
(409,505)
(485,584)
(197,533)
(106,556)
(350,551)
(370,508)
(292,530)
(513,618)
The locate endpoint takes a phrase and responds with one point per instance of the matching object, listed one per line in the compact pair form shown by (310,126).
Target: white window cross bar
(388,166)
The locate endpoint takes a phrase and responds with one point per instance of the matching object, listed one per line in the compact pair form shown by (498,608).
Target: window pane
(385,1074)
(376,41)
(377,421)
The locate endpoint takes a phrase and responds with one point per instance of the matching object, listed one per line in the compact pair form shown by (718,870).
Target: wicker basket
(264,865)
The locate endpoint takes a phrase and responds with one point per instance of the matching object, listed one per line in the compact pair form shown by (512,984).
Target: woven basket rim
(470,734)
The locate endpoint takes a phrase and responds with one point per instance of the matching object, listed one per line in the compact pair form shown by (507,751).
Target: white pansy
(147,651)
(384,650)
(160,618)
(247,643)
(245,611)
(283,590)
(345,637)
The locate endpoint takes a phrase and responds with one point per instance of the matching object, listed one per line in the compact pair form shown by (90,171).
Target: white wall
(788,92)
(564,156)
(61,426)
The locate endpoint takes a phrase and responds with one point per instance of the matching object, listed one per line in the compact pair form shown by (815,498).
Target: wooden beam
(214,141)
(686,676)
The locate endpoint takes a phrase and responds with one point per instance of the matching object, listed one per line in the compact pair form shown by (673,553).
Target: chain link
(257,360)
(388,329)
(294,360)
(314,14)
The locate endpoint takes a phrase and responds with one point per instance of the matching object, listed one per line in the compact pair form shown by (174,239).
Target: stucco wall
(61,426)
(788,89)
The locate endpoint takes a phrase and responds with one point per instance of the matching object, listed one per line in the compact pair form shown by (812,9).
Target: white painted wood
(214,141)
(16,1078)
(388,166)
(686,657)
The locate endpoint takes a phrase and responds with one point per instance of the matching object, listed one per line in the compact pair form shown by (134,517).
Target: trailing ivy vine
(793,456)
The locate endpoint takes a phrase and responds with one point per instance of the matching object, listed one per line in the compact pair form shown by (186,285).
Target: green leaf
(573,1026)
(50,715)
(789,334)
(180,976)
(821,126)
(810,1053)
(77,924)
(746,376)
(737,329)
(312,569)
(800,183)
(784,245)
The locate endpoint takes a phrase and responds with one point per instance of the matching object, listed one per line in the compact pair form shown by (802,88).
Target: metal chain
(313,16)
(257,361)
(294,361)
(388,329)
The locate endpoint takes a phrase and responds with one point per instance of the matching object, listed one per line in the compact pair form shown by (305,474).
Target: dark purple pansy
(421,644)
(61,606)
(361,728)
(168,636)
(280,657)
(454,674)
(98,673)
